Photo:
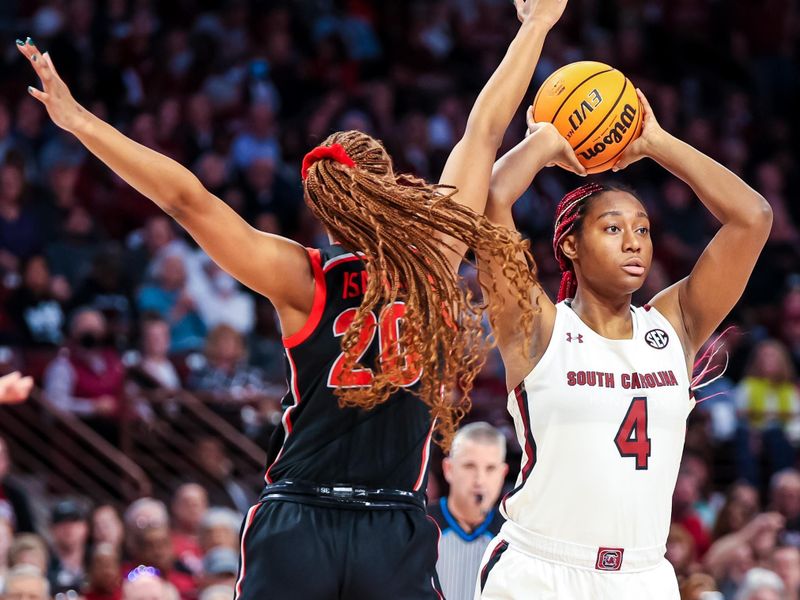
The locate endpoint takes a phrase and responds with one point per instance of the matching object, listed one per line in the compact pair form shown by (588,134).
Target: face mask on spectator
(89,340)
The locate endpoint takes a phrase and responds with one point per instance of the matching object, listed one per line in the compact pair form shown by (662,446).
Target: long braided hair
(397,222)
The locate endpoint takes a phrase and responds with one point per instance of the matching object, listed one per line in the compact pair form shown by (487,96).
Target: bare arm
(469,166)
(261,261)
(511,176)
(702,300)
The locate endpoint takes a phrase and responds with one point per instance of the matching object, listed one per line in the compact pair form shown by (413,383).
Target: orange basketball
(595,107)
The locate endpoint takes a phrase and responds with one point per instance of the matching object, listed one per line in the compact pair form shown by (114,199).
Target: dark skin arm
(697,304)
(273,266)
(511,176)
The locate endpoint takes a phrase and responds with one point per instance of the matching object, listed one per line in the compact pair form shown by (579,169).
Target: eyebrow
(617,213)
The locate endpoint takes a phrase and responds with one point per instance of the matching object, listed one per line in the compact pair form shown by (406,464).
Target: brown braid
(398,222)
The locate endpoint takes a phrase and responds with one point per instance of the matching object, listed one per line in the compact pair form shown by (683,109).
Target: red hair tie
(336,152)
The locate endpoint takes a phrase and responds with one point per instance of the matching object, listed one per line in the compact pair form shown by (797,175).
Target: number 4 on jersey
(632,437)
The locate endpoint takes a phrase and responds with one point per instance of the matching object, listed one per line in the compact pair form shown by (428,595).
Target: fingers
(643,100)
(38,94)
(529,118)
(40,62)
(574,164)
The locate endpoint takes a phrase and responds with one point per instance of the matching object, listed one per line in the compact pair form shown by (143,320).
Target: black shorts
(293,550)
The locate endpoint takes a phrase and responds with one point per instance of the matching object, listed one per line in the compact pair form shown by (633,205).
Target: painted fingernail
(30,41)
(20,43)
(33,58)
(30,90)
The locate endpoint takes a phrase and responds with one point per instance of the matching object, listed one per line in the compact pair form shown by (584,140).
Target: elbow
(179,201)
(761,217)
(485,129)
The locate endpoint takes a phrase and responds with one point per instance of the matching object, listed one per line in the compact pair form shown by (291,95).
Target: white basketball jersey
(602,424)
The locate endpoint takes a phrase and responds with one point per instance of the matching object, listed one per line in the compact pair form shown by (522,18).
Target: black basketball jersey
(320,442)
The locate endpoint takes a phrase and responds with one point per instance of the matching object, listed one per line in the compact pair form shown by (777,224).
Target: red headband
(336,152)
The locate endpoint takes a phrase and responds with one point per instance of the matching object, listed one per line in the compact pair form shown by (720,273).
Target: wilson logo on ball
(615,135)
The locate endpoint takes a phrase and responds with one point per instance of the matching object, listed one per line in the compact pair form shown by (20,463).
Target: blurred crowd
(113,309)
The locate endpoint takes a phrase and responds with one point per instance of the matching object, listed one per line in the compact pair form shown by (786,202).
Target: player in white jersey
(601,389)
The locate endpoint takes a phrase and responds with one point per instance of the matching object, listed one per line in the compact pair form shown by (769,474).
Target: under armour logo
(578,337)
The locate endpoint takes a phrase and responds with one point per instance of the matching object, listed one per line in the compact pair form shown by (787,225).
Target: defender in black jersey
(342,514)
(375,488)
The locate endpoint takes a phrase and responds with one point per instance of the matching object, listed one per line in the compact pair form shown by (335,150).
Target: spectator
(25,582)
(226,490)
(220,568)
(770,411)
(153,377)
(108,291)
(20,234)
(29,549)
(761,584)
(148,586)
(189,506)
(170,298)
(741,505)
(220,529)
(786,564)
(70,531)
(36,307)
(680,551)
(226,381)
(684,498)
(87,378)
(467,518)
(106,527)
(143,513)
(13,497)
(695,586)
(258,139)
(105,579)
(152,546)
(785,500)
(224,302)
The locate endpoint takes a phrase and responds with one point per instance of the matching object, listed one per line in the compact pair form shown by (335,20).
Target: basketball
(595,107)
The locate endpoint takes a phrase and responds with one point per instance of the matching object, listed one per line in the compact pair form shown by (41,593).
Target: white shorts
(511,572)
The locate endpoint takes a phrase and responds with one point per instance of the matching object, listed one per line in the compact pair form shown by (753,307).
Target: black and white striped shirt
(460,553)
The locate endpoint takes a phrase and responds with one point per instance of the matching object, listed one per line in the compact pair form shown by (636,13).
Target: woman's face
(613,251)
(107,526)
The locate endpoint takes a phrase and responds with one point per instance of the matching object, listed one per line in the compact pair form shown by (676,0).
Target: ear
(447,469)
(569,246)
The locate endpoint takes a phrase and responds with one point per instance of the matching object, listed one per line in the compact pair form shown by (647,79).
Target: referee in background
(468,517)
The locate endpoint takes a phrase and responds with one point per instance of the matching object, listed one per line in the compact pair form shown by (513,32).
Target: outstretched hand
(547,12)
(561,153)
(14,388)
(642,146)
(55,95)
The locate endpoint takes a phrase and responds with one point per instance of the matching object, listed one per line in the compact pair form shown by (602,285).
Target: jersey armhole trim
(318,306)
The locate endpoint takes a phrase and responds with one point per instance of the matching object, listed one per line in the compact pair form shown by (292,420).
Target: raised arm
(511,176)
(699,303)
(469,166)
(274,266)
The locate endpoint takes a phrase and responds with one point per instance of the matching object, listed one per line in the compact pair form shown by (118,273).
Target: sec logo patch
(656,338)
